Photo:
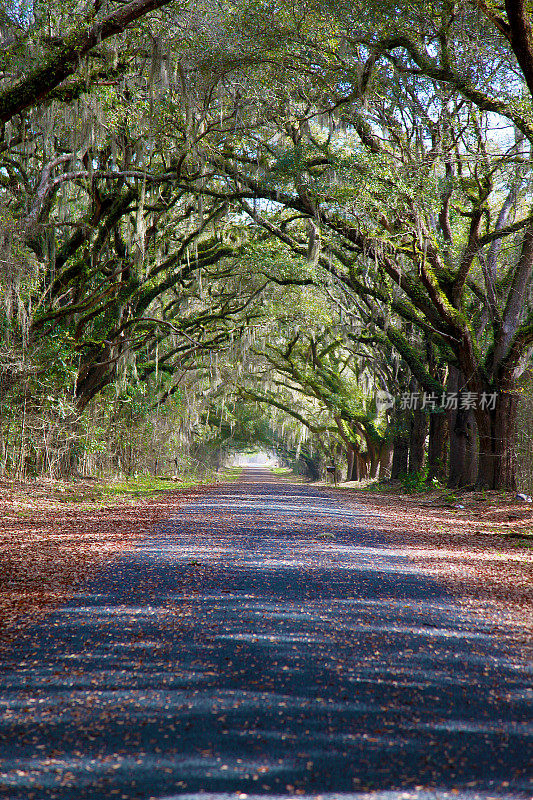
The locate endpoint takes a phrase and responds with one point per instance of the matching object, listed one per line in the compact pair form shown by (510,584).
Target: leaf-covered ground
(272,641)
(54,534)
(484,549)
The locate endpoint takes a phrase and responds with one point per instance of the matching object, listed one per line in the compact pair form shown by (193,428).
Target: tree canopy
(280,210)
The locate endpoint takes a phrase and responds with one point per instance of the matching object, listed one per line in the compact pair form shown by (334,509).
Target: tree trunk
(417,440)
(462,461)
(356,471)
(350,457)
(400,453)
(374,457)
(462,435)
(437,447)
(472,451)
(400,456)
(312,467)
(497,443)
(363,461)
(385,460)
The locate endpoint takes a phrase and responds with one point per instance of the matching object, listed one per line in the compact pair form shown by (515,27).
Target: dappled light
(264,642)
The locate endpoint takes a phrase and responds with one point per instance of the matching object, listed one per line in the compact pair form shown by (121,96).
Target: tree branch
(36,85)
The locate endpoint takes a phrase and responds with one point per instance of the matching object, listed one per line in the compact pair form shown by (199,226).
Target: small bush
(415,482)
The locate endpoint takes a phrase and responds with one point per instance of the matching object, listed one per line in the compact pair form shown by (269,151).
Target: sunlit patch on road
(238,652)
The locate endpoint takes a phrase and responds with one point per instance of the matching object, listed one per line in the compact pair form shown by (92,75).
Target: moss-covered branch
(67,55)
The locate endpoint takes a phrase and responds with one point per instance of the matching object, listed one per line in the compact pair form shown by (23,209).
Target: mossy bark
(462,461)
(400,452)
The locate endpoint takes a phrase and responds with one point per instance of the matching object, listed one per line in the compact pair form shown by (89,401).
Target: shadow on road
(264,644)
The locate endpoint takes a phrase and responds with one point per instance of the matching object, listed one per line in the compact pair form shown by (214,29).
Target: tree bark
(356,471)
(437,446)
(457,460)
(400,456)
(350,457)
(362,468)
(400,445)
(417,440)
(520,35)
(385,459)
(497,444)
(462,432)
(374,457)
(312,467)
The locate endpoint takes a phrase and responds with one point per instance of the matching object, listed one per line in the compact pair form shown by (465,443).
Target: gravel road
(264,643)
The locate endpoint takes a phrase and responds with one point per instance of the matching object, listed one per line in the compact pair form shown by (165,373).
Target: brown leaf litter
(47,546)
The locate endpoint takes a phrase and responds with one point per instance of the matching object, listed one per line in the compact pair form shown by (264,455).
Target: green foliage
(230,474)
(285,205)
(415,482)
